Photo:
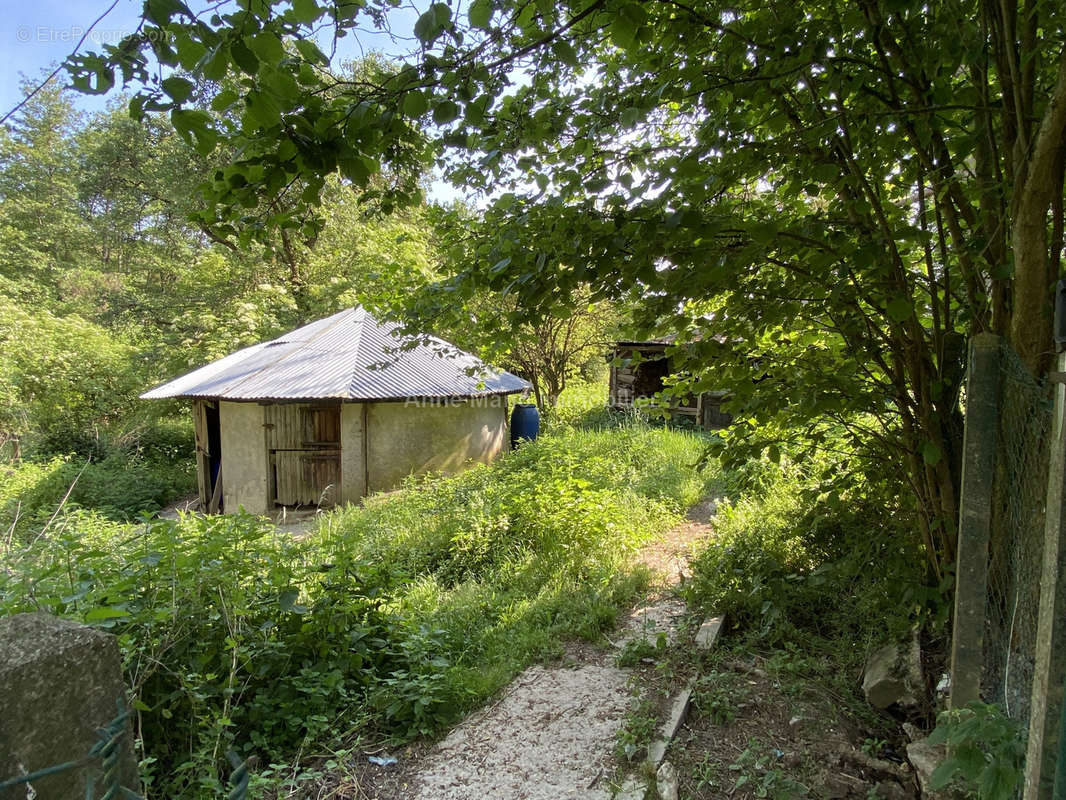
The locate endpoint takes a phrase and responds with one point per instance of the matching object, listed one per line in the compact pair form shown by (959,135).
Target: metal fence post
(1045,722)
(975,518)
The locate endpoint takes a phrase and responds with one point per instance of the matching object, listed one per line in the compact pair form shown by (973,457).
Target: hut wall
(630,382)
(408,438)
(244,457)
(353,452)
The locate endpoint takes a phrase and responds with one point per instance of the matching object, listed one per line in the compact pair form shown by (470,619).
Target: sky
(38,35)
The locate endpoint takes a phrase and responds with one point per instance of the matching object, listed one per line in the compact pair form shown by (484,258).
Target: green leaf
(623,32)
(998,782)
(445,112)
(433,22)
(179,89)
(104,613)
(288,599)
(189,50)
(216,64)
(310,51)
(243,57)
(943,774)
(223,100)
(94,77)
(899,309)
(480,13)
(565,52)
(825,173)
(931,453)
(262,110)
(626,26)
(415,104)
(359,168)
(305,11)
(161,11)
(194,126)
(267,46)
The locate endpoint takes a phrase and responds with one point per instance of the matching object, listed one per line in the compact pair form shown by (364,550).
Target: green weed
(756,769)
(640,648)
(785,565)
(142,470)
(637,730)
(718,694)
(391,620)
(986,751)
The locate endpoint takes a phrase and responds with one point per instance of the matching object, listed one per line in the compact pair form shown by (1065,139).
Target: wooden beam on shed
(203,455)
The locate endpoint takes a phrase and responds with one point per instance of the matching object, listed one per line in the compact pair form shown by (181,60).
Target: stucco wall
(409,438)
(353,467)
(244,457)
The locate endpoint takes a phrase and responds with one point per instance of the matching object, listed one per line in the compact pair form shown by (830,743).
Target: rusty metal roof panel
(348,356)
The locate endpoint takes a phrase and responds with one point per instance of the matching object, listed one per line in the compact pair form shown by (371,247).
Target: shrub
(985,752)
(117,487)
(790,560)
(390,620)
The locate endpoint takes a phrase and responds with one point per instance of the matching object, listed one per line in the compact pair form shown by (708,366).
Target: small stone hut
(338,409)
(638,372)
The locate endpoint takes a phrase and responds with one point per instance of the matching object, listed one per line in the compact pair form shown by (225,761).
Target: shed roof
(348,356)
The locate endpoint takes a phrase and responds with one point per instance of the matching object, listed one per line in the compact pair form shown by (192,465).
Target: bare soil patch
(753,733)
(668,556)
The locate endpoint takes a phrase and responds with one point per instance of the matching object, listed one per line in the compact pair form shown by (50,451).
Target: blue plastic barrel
(525,423)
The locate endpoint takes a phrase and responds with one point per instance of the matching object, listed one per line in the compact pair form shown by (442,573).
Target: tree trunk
(1039,182)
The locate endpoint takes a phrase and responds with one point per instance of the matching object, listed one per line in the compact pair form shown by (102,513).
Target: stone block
(59,683)
(925,758)
(893,675)
(666,781)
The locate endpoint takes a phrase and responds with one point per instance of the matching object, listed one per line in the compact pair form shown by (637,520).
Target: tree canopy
(827,196)
(109,282)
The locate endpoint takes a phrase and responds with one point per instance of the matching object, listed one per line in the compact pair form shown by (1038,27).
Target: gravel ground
(549,737)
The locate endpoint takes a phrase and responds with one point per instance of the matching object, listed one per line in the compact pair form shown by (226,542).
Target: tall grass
(390,620)
(136,471)
(806,555)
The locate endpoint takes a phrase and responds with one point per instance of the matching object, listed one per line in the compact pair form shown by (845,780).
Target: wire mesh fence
(1016,536)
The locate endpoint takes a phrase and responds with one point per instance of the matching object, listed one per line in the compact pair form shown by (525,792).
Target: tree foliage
(840,191)
(109,282)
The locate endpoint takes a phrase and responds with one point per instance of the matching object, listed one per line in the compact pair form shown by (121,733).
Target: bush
(985,752)
(61,378)
(795,557)
(390,620)
(118,488)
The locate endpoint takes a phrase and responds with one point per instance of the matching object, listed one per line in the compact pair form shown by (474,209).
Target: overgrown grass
(812,573)
(802,552)
(138,471)
(390,620)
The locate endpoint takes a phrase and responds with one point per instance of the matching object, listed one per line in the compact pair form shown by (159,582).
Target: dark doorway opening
(214,453)
(649,377)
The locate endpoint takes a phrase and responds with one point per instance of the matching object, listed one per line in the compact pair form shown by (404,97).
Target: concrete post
(1045,720)
(59,683)
(975,518)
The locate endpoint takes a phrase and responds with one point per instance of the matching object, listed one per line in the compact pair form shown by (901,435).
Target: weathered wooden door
(306,453)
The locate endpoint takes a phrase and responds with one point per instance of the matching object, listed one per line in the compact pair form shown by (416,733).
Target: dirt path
(552,733)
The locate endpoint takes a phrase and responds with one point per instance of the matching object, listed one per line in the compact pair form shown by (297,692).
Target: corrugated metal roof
(348,356)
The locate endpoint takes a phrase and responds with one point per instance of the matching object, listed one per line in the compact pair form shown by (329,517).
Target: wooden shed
(638,372)
(336,410)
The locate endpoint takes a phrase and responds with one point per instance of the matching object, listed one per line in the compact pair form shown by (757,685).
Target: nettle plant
(985,752)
